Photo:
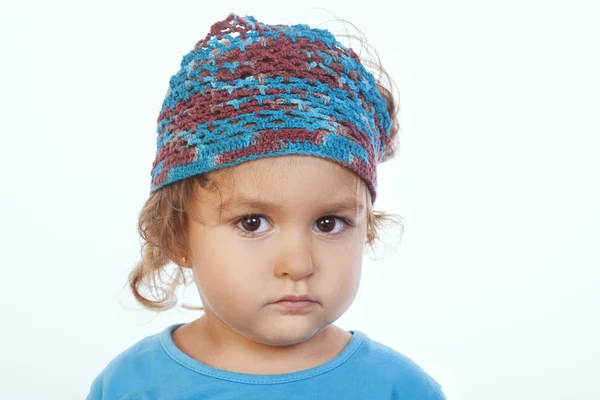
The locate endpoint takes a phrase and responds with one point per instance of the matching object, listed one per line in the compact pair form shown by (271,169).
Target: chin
(287,333)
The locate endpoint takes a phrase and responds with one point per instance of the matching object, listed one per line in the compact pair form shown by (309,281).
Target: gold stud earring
(183,260)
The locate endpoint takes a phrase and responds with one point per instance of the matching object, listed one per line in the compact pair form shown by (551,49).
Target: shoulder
(407,378)
(128,366)
(135,356)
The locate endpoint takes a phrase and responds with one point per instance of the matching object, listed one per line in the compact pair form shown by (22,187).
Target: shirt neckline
(192,364)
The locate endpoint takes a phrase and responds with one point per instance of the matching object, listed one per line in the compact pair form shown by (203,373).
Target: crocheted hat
(251,90)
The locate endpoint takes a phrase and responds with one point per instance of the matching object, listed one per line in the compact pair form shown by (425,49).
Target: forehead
(293,180)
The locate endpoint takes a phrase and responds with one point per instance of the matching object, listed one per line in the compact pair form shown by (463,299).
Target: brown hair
(163,220)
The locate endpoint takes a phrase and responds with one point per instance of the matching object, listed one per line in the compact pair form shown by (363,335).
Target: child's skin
(239,277)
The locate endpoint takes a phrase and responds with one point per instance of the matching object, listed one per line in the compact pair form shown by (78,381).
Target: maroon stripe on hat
(362,168)
(208,112)
(271,141)
(368,174)
(350,131)
(201,111)
(173,154)
(205,107)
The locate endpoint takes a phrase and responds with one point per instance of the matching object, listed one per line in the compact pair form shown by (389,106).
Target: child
(263,189)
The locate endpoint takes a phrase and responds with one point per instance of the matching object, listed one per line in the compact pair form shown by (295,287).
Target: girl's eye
(328,225)
(250,224)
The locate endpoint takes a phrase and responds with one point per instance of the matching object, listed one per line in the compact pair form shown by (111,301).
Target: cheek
(226,268)
(341,270)
(353,273)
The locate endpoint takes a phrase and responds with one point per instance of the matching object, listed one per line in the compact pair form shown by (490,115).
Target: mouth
(295,302)
(294,297)
(296,305)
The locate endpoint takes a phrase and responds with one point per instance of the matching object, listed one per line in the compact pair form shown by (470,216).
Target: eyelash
(347,225)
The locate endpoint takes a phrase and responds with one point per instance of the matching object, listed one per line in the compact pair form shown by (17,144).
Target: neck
(214,343)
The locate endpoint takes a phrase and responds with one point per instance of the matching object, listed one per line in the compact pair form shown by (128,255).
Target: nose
(294,256)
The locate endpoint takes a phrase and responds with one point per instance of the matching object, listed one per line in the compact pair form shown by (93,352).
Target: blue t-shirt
(155,368)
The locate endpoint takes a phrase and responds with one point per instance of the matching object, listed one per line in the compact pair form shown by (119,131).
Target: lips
(295,298)
(296,305)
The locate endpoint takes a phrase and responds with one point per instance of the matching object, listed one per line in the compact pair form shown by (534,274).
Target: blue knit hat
(250,90)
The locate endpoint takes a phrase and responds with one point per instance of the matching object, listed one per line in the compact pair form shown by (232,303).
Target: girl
(263,189)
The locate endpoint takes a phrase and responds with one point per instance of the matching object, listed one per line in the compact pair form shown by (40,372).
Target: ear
(184,262)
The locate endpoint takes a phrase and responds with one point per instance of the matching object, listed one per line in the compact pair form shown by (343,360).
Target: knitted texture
(251,90)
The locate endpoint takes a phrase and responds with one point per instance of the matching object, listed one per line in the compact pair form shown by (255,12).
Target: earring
(183,260)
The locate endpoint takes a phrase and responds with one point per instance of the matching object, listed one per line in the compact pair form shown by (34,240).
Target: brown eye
(251,222)
(251,226)
(326,224)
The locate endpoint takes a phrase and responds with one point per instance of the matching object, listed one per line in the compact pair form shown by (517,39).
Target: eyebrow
(241,201)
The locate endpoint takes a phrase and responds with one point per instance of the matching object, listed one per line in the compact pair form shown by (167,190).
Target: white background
(494,287)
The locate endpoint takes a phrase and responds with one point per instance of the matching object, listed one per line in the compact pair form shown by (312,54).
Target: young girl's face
(284,226)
